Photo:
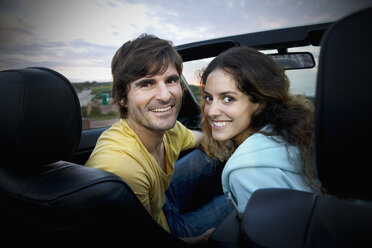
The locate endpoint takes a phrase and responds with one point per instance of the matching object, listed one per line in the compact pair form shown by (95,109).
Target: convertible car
(48,197)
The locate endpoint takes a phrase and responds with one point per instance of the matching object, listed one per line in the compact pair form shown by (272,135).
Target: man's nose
(163,92)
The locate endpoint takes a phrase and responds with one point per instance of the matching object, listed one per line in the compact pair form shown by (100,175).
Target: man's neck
(152,140)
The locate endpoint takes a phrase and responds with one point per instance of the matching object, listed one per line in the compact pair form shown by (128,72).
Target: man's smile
(161,109)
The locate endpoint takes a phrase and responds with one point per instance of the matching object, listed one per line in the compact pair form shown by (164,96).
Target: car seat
(343,134)
(46,200)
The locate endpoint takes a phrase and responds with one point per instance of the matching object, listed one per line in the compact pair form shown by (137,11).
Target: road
(85,96)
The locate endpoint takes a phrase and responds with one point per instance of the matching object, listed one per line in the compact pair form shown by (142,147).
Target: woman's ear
(261,107)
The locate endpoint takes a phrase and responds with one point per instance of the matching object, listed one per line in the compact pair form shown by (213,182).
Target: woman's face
(228,110)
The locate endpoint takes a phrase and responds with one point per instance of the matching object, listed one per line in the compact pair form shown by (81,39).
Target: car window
(97,109)
(302,81)
(96,100)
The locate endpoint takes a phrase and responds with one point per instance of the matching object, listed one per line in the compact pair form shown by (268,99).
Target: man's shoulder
(119,158)
(178,131)
(180,135)
(118,135)
(177,127)
(116,144)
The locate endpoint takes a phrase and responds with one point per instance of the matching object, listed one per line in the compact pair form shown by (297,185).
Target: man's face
(153,103)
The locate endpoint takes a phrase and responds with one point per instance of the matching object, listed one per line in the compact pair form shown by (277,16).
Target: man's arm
(198,136)
(148,208)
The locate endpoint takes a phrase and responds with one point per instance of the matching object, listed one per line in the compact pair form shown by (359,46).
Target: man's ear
(183,87)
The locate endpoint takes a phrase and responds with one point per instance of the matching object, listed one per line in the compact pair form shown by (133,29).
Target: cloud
(47,34)
(71,34)
(21,48)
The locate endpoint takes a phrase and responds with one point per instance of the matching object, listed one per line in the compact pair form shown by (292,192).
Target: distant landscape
(97,109)
(98,89)
(96,102)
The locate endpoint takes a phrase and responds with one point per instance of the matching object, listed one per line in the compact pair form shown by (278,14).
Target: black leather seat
(42,197)
(288,218)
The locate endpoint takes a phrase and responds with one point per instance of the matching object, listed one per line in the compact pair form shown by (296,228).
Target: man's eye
(173,81)
(146,85)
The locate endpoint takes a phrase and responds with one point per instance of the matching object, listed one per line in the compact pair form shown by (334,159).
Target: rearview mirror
(289,61)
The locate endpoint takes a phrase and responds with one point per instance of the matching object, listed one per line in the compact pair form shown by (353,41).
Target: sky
(79,37)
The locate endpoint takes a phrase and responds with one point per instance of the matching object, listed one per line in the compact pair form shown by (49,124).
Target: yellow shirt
(120,151)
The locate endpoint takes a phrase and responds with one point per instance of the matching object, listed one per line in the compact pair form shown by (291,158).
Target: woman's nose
(212,109)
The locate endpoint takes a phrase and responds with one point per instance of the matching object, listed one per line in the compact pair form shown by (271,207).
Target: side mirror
(290,61)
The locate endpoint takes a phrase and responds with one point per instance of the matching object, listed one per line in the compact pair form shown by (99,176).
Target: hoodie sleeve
(243,182)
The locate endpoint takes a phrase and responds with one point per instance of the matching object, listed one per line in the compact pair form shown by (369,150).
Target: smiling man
(143,147)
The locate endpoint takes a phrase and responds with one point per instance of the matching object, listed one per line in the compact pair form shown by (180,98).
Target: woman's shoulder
(260,142)
(260,150)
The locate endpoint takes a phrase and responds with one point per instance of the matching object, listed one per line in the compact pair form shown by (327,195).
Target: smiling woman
(227,109)
(252,122)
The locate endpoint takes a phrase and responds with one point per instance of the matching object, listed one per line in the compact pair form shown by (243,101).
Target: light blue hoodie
(260,162)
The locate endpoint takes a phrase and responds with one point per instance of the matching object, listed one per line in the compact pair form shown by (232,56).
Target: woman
(252,121)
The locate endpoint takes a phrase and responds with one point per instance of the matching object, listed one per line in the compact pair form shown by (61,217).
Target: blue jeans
(194,199)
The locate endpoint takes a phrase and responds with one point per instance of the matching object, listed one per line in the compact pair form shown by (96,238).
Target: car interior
(47,194)
(45,198)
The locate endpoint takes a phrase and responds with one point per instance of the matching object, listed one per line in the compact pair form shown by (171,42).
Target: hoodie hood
(260,150)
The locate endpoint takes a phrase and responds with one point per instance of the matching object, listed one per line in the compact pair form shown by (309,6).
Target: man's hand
(201,239)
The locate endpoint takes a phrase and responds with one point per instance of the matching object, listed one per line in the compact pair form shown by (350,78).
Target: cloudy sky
(79,37)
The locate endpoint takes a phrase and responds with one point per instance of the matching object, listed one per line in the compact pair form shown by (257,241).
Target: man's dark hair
(144,56)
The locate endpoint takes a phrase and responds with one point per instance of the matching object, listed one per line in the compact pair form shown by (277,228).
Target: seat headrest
(40,117)
(343,127)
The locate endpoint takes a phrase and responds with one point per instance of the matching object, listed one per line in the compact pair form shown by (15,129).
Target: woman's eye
(227,99)
(208,98)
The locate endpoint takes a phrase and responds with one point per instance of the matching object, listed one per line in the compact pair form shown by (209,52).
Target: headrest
(40,117)
(343,128)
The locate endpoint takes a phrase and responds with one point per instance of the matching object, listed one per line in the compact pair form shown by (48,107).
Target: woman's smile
(220,124)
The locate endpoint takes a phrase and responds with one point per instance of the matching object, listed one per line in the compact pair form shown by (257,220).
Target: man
(144,145)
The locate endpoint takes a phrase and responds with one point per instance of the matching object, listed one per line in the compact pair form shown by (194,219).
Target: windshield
(302,81)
